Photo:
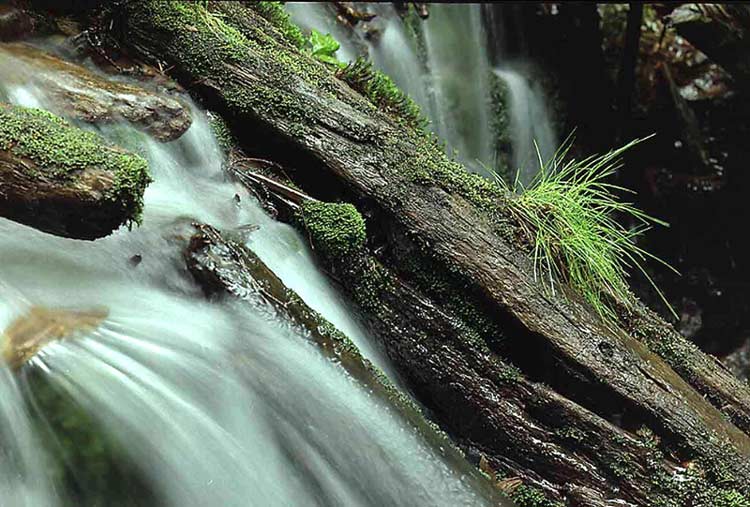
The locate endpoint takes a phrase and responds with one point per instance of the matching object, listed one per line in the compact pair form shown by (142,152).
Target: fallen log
(409,189)
(63,180)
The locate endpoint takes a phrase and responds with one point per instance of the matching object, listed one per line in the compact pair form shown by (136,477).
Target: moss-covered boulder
(78,93)
(64,180)
(336,229)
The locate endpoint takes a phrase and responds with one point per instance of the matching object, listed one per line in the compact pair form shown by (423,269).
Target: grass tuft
(382,91)
(567,214)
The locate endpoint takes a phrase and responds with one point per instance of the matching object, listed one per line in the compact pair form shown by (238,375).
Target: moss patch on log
(337,229)
(277,15)
(529,496)
(382,91)
(691,486)
(221,132)
(60,151)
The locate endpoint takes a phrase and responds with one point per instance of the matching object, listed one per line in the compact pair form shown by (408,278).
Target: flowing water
(209,402)
(530,122)
(450,77)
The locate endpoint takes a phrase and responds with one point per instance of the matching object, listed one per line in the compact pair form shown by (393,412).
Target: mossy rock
(336,229)
(64,180)
(80,94)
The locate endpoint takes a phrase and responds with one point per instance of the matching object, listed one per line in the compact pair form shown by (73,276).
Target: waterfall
(213,402)
(457,60)
(530,123)
(450,79)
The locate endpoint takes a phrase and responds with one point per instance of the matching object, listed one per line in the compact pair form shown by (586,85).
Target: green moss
(208,41)
(267,100)
(452,290)
(371,282)
(529,496)
(61,151)
(691,486)
(221,132)
(680,353)
(382,91)
(429,165)
(204,42)
(337,229)
(277,15)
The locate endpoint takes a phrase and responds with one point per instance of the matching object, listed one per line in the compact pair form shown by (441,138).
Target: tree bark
(599,376)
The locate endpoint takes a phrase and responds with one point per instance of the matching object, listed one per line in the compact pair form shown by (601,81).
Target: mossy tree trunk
(565,415)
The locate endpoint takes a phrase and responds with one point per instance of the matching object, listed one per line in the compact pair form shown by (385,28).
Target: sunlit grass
(567,213)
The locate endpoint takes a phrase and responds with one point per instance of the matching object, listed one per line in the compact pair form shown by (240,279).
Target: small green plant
(324,47)
(567,214)
(382,91)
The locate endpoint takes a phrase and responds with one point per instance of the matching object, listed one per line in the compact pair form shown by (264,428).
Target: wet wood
(223,266)
(594,372)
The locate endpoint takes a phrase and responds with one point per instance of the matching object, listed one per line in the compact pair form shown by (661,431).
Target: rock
(29,333)
(14,23)
(81,94)
(64,180)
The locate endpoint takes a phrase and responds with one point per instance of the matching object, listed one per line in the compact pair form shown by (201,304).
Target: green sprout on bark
(567,213)
(323,47)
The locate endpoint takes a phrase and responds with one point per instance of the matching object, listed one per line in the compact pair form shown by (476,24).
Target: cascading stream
(215,403)
(449,78)
(531,127)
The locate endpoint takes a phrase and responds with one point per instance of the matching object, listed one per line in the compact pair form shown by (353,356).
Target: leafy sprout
(567,213)
(382,91)
(324,47)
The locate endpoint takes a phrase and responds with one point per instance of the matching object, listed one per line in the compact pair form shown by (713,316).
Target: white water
(530,122)
(452,85)
(457,60)
(218,403)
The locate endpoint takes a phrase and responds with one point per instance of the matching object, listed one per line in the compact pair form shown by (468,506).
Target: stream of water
(450,79)
(215,403)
